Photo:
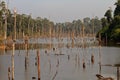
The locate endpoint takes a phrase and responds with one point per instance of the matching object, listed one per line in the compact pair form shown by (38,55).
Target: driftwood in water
(100,77)
(55,75)
(115,65)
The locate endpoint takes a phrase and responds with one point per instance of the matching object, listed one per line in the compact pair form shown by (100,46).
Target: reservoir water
(61,63)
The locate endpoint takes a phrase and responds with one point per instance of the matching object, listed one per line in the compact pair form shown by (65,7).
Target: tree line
(43,27)
(111,24)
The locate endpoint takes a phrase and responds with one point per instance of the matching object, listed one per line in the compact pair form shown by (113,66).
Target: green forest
(111,25)
(108,26)
(42,26)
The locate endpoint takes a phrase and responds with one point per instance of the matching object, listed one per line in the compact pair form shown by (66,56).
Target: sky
(62,10)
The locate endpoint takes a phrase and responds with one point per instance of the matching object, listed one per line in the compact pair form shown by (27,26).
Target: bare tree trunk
(99,53)
(38,64)
(26,49)
(15,24)
(13,45)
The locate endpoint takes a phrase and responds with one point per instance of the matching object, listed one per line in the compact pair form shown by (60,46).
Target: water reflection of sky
(56,40)
(65,68)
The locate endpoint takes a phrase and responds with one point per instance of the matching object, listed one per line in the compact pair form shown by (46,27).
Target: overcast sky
(62,10)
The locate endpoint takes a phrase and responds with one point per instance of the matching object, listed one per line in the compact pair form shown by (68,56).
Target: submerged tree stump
(92,59)
(9,73)
(27,55)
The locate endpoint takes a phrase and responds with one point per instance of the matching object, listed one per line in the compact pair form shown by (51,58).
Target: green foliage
(108,15)
(117,9)
(112,29)
(104,22)
(116,34)
(42,26)
(116,20)
(91,26)
(3,12)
